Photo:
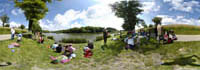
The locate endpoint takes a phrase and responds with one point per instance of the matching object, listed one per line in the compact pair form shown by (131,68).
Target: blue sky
(78,13)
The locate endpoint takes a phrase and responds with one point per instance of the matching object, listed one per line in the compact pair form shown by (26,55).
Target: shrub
(28,35)
(98,38)
(50,37)
(74,40)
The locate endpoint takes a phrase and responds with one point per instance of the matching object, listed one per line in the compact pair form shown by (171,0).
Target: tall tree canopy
(34,10)
(4,19)
(128,10)
(157,20)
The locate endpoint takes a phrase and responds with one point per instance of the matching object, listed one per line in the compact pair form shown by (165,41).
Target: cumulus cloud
(181,5)
(99,15)
(178,20)
(150,7)
(16,12)
(14,24)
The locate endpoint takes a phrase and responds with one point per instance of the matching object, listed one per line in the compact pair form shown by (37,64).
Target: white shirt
(130,41)
(12,31)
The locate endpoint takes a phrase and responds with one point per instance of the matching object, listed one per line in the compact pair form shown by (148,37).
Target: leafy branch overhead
(128,10)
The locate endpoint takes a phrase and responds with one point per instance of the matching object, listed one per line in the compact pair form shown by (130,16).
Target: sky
(67,14)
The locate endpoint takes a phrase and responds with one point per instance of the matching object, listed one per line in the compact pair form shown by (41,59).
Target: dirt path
(4,37)
(188,37)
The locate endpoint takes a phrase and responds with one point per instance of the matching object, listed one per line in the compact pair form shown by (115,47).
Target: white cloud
(181,5)
(14,24)
(150,7)
(16,12)
(0,23)
(178,20)
(97,15)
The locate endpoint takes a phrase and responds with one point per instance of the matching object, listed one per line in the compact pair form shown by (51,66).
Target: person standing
(159,30)
(12,33)
(105,36)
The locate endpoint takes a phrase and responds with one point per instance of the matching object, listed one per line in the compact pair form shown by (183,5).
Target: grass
(184,29)
(6,30)
(32,55)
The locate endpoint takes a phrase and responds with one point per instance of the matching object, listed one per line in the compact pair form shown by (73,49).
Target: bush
(98,38)
(28,35)
(74,40)
(50,37)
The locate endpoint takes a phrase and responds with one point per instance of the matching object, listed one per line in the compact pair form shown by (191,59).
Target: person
(54,46)
(19,37)
(59,48)
(62,59)
(130,42)
(41,39)
(87,52)
(166,37)
(69,51)
(91,45)
(159,31)
(12,33)
(105,36)
(173,35)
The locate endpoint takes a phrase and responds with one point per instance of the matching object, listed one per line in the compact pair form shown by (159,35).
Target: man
(105,36)
(159,30)
(12,33)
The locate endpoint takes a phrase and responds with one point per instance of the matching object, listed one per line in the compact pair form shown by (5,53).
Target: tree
(157,20)
(36,27)
(128,10)
(7,25)
(34,10)
(4,19)
(22,27)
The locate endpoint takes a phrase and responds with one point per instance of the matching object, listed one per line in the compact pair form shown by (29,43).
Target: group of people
(67,55)
(19,36)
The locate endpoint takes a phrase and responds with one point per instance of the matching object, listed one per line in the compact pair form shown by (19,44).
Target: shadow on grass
(183,61)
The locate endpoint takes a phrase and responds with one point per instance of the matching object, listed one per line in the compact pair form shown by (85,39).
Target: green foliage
(7,25)
(34,10)
(50,37)
(98,38)
(4,19)
(6,30)
(87,29)
(36,27)
(157,20)
(22,27)
(128,10)
(74,40)
(28,35)
(183,29)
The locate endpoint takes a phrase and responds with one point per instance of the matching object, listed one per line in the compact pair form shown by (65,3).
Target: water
(60,36)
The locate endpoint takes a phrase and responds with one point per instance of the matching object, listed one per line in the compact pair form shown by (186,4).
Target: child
(87,51)
(41,39)
(59,48)
(130,42)
(19,37)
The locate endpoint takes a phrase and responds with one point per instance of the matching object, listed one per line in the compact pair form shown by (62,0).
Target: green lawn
(34,56)
(184,29)
(6,30)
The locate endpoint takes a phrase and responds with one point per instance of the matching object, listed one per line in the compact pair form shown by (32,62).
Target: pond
(60,36)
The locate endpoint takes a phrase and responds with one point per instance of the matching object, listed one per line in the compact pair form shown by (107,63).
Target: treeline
(87,29)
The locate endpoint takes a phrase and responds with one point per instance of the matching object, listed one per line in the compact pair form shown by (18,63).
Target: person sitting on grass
(54,46)
(19,37)
(130,42)
(88,51)
(41,39)
(69,51)
(166,37)
(60,59)
(59,48)
(173,35)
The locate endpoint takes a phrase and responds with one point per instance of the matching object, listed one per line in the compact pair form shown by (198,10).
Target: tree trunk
(3,24)
(30,25)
